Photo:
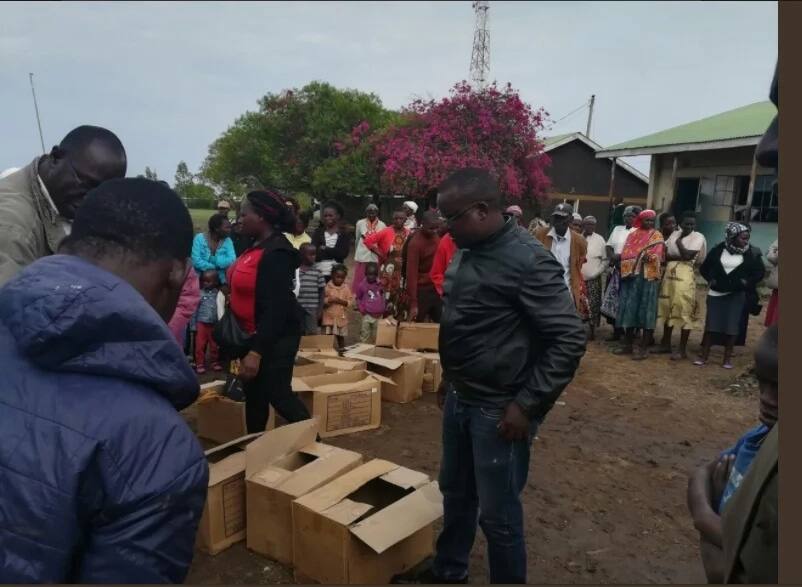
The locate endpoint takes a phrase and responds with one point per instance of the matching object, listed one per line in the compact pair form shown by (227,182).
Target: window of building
(765,205)
(731,190)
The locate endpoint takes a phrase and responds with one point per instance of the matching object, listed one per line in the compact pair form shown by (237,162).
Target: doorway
(686,196)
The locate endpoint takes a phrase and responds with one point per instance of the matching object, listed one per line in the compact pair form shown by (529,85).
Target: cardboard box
(223,521)
(418,336)
(344,402)
(281,466)
(221,419)
(337,363)
(432,372)
(404,370)
(365,526)
(317,343)
(415,336)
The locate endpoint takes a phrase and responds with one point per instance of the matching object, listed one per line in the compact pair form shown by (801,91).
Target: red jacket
(445,251)
(381,241)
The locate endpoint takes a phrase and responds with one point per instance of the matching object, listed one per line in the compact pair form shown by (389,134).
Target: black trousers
(273,386)
(430,305)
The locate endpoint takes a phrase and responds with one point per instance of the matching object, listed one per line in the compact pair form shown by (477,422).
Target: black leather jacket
(509,331)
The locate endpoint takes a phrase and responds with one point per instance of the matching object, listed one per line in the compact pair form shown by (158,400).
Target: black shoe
(423,574)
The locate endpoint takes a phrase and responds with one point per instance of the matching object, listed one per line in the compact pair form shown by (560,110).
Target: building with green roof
(709,166)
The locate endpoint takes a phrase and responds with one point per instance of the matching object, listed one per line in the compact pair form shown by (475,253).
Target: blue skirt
(637,303)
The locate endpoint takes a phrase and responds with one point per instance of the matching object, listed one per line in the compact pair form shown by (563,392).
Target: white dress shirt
(561,249)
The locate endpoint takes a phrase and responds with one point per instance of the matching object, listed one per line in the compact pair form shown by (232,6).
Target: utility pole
(36,107)
(590,113)
(480,55)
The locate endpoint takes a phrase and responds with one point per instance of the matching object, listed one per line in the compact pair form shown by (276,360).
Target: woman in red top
(442,257)
(265,306)
(388,245)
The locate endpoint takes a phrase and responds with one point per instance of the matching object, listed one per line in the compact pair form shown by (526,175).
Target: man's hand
(441,394)
(249,367)
(514,425)
(720,477)
(413,312)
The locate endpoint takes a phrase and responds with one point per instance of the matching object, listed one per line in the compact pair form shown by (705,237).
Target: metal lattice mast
(480,55)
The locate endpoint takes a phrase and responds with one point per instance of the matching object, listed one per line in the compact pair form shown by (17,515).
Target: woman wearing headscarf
(410,208)
(263,302)
(388,245)
(576,222)
(641,261)
(733,269)
(363,255)
(773,283)
(614,248)
(592,270)
(330,240)
(677,307)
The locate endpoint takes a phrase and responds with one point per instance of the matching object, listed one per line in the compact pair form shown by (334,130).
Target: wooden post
(673,197)
(612,188)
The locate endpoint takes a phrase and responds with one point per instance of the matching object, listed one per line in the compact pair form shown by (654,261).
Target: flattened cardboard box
(337,363)
(223,521)
(344,402)
(364,527)
(404,369)
(281,466)
(415,336)
(221,419)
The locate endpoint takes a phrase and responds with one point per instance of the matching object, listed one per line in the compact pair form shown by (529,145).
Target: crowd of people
(102,276)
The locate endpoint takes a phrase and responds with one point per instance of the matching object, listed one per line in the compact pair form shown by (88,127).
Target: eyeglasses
(454,217)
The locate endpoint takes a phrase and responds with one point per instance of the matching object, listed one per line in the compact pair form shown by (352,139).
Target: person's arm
(757,271)
(684,254)
(551,313)
(373,243)
(200,254)
(149,540)
(225,255)
(773,254)
(16,251)
(273,306)
(360,296)
(439,265)
(341,248)
(413,263)
(706,268)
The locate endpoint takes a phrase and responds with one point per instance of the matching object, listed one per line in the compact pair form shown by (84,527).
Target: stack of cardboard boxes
(318,507)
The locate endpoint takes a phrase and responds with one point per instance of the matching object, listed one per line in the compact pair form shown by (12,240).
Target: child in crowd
(299,236)
(311,289)
(370,300)
(337,299)
(714,484)
(206,318)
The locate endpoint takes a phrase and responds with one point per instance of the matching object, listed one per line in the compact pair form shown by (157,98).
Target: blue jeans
(481,478)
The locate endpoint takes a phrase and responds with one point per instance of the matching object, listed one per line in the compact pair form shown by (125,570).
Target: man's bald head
(470,202)
(85,158)
(471,185)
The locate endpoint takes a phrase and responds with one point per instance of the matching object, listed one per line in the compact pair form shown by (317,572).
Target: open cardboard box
(281,466)
(221,419)
(405,370)
(416,336)
(337,363)
(223,521)
(432,372)
(344,402)
(366,526)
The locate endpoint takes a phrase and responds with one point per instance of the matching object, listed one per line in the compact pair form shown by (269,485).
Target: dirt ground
(605,502)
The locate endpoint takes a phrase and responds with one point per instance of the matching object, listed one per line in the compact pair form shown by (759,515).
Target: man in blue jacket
(101,480)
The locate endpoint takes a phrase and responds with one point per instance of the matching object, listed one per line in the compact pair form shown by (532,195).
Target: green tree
(290,136)
(192,189)
(149,174)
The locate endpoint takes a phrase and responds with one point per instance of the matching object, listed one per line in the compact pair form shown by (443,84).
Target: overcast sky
(168,78)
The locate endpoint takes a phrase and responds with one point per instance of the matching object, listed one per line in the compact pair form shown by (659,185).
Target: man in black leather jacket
(510,342)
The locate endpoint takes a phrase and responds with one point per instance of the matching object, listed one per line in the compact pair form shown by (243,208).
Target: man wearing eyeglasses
(510,342)
(39,201)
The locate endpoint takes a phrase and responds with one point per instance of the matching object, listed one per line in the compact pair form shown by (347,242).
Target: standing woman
(263,302)
(410,209)
(330,240)
(732,269)
(677,307)
(592,270)
(363,255)
(614,248)
(214,249)
(773,283)
(641,262)
(388,244)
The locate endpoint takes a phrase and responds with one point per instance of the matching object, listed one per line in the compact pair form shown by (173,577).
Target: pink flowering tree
(491,129)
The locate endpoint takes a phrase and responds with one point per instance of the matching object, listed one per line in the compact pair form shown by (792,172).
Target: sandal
(700,362)
(727,365)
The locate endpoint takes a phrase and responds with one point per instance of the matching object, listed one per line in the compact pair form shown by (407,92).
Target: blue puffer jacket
(101,480)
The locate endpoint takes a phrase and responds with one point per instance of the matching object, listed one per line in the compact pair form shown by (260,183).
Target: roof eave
(679,147)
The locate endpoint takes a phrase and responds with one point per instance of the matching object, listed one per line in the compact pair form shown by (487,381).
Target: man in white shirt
(561,238)
(595,265)
(39,201)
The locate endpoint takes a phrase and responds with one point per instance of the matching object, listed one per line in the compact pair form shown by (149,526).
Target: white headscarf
(411,205)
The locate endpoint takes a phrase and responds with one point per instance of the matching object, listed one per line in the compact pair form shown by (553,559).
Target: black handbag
(230,336)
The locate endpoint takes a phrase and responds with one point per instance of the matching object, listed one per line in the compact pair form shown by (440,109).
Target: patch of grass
(200,218)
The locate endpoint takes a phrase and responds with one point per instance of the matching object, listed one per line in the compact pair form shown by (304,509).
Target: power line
(583,106)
